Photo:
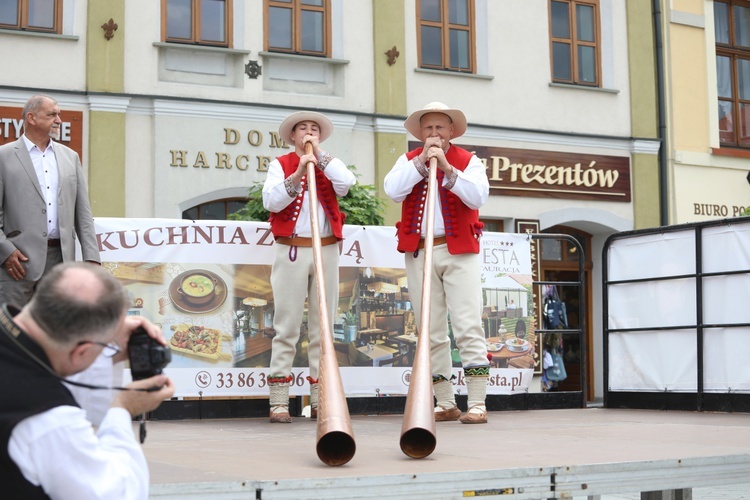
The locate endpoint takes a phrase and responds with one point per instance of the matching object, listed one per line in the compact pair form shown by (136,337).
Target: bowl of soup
(197,288)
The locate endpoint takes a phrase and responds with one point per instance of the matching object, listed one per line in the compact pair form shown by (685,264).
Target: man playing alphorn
(456,286)
(293,273)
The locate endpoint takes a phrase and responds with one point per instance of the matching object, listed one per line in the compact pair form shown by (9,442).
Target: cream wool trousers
(456,288)
(292,282)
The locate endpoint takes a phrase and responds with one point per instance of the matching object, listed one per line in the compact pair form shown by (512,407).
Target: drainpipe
(662,133)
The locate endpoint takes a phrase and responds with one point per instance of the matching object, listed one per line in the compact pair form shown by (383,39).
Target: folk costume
(293,272)
(456,281)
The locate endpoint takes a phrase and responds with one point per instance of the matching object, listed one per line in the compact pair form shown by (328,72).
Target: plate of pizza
(199,341)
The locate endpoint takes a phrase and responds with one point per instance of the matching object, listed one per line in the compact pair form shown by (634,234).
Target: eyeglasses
(109,350)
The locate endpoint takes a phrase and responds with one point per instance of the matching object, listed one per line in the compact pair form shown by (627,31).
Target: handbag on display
(557,371)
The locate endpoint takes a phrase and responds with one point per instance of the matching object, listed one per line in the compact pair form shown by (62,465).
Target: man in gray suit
(44,204)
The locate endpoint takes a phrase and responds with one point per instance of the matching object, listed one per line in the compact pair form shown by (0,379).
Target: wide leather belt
(298,241)
(440,240)
(53,243)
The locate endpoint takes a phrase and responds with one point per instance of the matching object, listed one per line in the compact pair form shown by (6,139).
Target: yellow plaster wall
(390,91)
(689,89)
(645,169)
(690,6)
(389,31)
(105,68)
(644,112)
(642,61)
(107,164)
(388,148)
(105,73)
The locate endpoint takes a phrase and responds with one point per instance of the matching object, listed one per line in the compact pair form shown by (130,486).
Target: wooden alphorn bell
(335,442)
(418,438)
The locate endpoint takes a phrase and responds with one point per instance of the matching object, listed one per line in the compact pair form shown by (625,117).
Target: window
(298,27)
(732,32)
(557,251)
(204,22)
(493,225)
(215,210)
(574,38)
(31,15)
(446,35)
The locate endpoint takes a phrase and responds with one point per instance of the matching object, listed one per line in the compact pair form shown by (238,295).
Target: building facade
(174,106)
(706,80)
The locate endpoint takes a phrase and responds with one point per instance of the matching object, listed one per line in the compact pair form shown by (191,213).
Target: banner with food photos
(208,285)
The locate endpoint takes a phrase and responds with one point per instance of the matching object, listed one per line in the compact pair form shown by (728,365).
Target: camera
(147,356)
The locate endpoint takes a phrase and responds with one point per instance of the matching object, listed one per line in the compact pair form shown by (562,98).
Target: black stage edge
(387,405)
(684,401)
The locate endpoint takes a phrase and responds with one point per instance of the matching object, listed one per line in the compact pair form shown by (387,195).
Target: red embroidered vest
(284,222)
(462,226)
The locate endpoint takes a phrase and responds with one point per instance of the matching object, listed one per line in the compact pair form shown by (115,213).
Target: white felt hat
(412,124)
(291,121)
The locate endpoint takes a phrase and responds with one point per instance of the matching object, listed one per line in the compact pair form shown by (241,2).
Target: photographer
(49,448)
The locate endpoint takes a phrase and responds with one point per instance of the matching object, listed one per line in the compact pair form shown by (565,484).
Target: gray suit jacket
(23,213)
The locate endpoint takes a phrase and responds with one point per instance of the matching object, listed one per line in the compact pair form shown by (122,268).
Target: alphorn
(418,430)
(335,442)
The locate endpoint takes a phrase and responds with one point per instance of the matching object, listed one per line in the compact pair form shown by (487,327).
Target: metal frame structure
(666,400)
(582,310)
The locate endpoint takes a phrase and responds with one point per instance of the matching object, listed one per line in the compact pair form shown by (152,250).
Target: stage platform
(535,454)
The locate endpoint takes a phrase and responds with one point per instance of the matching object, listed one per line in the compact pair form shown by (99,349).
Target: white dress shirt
(472,187)
(45,166)
(276,198)
(59,451)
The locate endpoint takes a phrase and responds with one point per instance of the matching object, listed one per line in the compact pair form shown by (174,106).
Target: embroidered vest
(284,222)
(29,390)
(462,226)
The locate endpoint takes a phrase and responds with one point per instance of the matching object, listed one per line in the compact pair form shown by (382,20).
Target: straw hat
(457,117)
(291,121)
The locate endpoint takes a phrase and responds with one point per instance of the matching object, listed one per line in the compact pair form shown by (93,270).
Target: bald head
(76,301)
(35,103)
(82,283)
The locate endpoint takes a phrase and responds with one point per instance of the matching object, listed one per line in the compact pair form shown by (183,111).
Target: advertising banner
(207,284)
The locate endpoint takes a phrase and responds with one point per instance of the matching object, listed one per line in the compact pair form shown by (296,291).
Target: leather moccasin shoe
(476,415)
(280,415)
(449,415)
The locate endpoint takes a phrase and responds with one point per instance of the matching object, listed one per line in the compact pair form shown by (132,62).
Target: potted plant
(351,325)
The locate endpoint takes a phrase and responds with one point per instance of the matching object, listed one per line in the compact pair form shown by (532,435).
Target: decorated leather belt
(440,240)
(53,242)
(306,242)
